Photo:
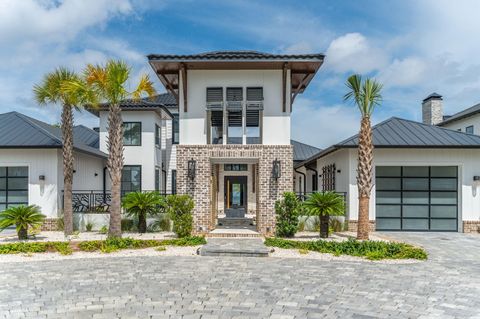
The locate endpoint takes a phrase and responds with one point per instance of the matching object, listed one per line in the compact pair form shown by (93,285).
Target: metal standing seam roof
(401,133)
(20,131)
(302,151)
(234,55)
(461,115)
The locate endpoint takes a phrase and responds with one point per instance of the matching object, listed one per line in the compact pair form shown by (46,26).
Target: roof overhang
(95,153)
(168,68)
(160,109)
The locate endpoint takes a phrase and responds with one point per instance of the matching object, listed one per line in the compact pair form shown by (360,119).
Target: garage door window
(13,186)
(416,198)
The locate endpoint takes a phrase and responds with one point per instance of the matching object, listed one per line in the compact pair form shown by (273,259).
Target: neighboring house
(31,170)
(426,178)
(304,177)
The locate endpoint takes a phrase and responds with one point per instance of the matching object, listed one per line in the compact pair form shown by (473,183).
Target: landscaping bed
(372,250)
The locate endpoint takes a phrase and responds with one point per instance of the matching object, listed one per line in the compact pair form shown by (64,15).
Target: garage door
(13,186)
(418,198)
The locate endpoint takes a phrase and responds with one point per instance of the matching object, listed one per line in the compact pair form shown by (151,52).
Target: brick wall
(471,226)
(268,190)
(50,224)
(352,225)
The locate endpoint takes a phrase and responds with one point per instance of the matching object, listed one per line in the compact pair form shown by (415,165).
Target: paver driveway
(446,286)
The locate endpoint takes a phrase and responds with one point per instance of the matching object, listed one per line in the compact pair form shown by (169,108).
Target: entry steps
(234,247)
(235,222)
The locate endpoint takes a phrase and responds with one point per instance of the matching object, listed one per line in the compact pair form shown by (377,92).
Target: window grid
(132,133)
(6,177)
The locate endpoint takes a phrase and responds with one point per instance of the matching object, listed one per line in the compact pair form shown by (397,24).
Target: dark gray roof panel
(434,95)
(236,55)
(302,151)
(461,115)
(20,131)
(166,99)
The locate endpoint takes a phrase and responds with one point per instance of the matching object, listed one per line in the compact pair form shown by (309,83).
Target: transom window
(132,133)
(235,167)
(131,178)
(13,186)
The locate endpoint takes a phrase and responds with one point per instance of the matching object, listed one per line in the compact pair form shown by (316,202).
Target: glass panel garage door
(13,187)
(417,198)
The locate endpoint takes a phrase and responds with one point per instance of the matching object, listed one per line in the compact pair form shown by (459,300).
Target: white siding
(463,123)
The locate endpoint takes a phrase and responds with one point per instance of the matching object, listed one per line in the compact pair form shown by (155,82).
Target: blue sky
(413,47)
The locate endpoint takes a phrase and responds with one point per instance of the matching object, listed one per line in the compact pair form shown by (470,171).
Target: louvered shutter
(234,94)
(253,118)
(214,94)
(235,119)
(217,118)
(255,94)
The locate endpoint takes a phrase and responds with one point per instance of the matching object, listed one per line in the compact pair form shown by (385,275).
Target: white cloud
(353,52)
(406,72)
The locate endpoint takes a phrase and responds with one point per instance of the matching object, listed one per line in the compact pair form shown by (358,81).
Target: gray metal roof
(434,95)
(400,133)
(302,151)
(235,55)
(461,115)
(164,101)
(20,131)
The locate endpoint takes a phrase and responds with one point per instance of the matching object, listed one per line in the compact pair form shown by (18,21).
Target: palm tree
(110,84)
(140,205)
(50,90)
(22,217)
(366,95)
(324,205)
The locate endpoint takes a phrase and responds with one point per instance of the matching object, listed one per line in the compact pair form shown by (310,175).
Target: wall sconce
(276,169)
(191,168)
(96,174)
(41,178)
(339,171)
(476,179)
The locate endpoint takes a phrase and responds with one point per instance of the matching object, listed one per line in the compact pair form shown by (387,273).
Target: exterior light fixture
(191,168)
(41,178)
(476,179)
(276,169)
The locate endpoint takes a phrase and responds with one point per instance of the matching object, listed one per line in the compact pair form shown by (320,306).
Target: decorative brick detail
(352,225)
(50,224)
(471,226)
(268,190)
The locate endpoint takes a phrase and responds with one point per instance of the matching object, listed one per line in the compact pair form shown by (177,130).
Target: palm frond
(366,94)
(144,86)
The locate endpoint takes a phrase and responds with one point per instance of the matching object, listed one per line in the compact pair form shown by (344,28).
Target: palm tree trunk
(115,166)
(67,132)
(364,178)
(142,223)
(324,226)
(22,233)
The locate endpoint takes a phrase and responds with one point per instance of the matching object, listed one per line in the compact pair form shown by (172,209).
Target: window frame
(7,177)
(123,192)
(123,130)
(175,128)
(468,128)
(158,136)
(174,181)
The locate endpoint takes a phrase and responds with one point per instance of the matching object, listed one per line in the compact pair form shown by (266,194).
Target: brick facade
(352,225)
(201,188)
(50,224)
(471,226)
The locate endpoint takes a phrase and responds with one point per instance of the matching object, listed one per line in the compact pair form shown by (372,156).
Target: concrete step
(252,247)
(231,221)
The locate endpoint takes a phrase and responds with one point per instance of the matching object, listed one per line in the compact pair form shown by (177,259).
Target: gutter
(316,178)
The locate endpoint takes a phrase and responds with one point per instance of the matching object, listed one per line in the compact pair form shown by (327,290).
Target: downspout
(304,181)
(316,177)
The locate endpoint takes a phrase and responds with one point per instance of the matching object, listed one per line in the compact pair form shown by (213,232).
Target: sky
(413,47)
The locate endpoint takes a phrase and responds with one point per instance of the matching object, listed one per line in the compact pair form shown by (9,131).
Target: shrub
(301,225)
(60,224)
(103,230)
(127,224)
(324,205)
(89,226)
(286,210)
(179,209)
(336,225)
(22,217)
(161,224)
(141,205)
(373,250)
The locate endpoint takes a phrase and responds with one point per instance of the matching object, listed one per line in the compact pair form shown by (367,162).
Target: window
(132,133)
(13,186)
(175,129)
(314,183)
(158,136)
(253,115)
(216,127)
(174,181)
(157,179)
(131,178)
(234,130)
(235,167)
(469,129)
(328,178)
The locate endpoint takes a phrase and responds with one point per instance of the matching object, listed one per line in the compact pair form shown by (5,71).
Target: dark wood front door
(235,195)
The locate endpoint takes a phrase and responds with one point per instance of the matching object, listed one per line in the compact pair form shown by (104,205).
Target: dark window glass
(131,178)
(469,129)
(13,186)
(235,167)
(157,179)
(175,129)
(158,135)
(235,130)
(174,181)
(132,133)
(216,127)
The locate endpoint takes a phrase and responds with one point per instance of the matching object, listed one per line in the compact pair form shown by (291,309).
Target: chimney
(432,109)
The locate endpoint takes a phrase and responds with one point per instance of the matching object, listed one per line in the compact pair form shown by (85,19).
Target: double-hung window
(215,115)
(253,116)
(132,133)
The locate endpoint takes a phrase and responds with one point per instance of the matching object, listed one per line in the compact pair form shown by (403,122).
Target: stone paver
(446,286)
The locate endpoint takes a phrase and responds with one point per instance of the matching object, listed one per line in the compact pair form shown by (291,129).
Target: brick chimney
(432,109)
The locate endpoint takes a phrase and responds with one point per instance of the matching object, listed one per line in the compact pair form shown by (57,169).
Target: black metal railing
(96,202)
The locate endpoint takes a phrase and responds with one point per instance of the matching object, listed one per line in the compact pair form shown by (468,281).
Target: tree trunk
(324,226)
(364,177)
(142,223)
(22,233)
(67,132)
(115,166)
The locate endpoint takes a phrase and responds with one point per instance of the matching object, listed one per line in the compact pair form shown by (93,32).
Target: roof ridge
(28,119)
(434,126)
(292,140)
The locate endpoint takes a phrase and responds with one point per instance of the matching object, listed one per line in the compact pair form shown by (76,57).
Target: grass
(372,250)
(105,246)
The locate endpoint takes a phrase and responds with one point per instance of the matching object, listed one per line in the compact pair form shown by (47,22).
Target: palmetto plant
(109,82)
(366,94)
(51,90)
(141,205)
(324,205)
(22,217)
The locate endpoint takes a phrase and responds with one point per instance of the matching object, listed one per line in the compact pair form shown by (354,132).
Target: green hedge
(373,250)
(106,246)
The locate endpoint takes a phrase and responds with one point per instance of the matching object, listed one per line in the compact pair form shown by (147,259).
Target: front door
(235,196)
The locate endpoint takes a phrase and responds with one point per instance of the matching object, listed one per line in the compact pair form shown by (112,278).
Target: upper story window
(469,129)
(175,129)
(132,133)
(215,115)
(158,136)
(253,115)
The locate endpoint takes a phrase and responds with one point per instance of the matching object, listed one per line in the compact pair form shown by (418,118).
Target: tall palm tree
(50,90)
(324,205)
(110,84)
(366,94)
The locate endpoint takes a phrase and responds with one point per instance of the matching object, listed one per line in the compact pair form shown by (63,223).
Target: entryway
(235,196)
